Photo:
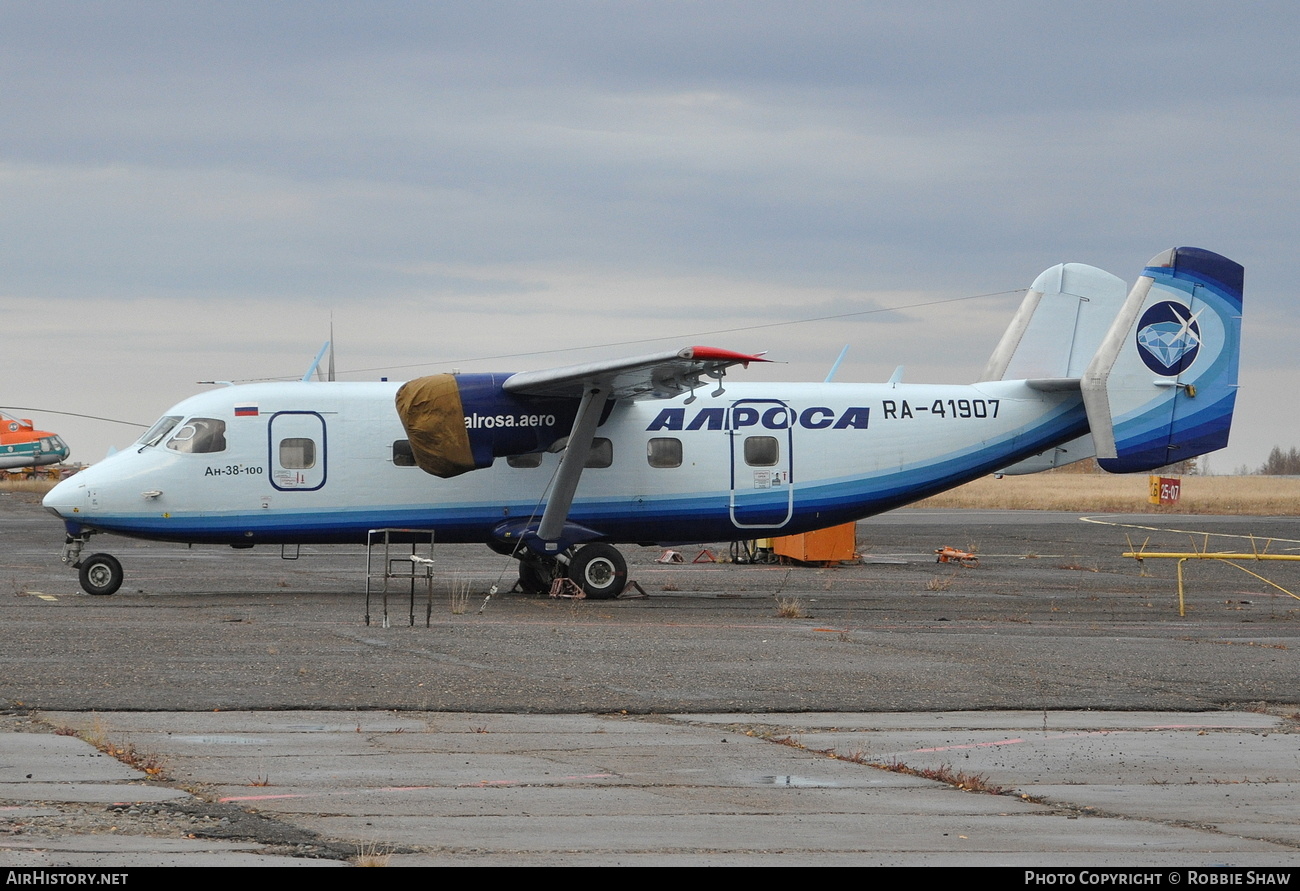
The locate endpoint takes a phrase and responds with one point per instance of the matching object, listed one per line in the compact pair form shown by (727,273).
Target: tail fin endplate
(1162,385)
(1059,326)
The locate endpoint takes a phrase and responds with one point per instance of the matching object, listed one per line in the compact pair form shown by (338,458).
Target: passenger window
(532,459)
(601,454)
(402,454)
(664,451)
(297,453)
(762,451)
(200,436)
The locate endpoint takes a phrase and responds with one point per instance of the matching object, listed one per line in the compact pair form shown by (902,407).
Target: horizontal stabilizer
(1066,453)
(1054,384)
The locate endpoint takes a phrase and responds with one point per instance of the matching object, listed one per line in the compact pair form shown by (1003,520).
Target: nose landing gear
(100,574)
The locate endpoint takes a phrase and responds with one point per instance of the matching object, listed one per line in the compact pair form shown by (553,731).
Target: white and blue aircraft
(555,467)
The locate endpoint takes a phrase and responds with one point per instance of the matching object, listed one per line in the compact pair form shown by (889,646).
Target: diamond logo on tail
(1169,337)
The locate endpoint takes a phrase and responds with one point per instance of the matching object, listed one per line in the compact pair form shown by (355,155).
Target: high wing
(656,376)
(661,375)
(459,423)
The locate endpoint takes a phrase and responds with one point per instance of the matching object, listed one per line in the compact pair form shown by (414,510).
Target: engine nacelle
(462,422)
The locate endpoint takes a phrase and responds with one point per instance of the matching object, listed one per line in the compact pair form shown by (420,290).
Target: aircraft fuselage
(325,462)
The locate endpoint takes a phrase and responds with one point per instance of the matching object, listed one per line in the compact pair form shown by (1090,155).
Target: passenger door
(762,479)
(298,450)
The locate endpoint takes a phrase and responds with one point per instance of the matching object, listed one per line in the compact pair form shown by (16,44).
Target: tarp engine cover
(461,422)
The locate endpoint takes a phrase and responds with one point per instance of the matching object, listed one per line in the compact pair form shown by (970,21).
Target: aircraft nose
(64,499)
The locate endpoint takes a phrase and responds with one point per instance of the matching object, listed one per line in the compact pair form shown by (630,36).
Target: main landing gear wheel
(536,575)
(100,574)
(600,570)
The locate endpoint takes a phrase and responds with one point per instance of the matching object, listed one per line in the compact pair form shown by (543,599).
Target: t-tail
(1161,387)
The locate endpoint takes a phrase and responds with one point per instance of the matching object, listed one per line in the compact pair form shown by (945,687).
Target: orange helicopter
(23,446)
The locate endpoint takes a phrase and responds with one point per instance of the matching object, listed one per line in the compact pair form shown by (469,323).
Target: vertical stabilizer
(1059,326)
(1161,388)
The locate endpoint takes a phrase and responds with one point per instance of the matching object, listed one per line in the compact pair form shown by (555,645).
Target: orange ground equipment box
(822,546)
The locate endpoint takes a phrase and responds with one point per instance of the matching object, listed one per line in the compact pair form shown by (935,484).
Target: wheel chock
(953,555)
(567,588)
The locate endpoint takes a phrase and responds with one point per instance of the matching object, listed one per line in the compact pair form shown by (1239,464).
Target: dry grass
(944,773)
(97,735)
(38,487)
(147,762)
(790,608)
(458,595)
(373,855)
(1125,493)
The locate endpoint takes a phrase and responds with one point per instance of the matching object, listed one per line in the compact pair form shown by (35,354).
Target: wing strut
(572,463)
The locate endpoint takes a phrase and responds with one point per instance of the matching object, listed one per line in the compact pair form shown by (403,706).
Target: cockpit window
(200,436)
(158,431)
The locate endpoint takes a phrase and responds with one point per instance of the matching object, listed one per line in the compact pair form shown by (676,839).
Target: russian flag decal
(246,410)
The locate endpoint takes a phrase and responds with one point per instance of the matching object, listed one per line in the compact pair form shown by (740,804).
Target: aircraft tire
(535,577)
(599,570)
(100,574)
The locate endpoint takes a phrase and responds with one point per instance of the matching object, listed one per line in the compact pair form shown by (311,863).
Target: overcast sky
(189,191)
